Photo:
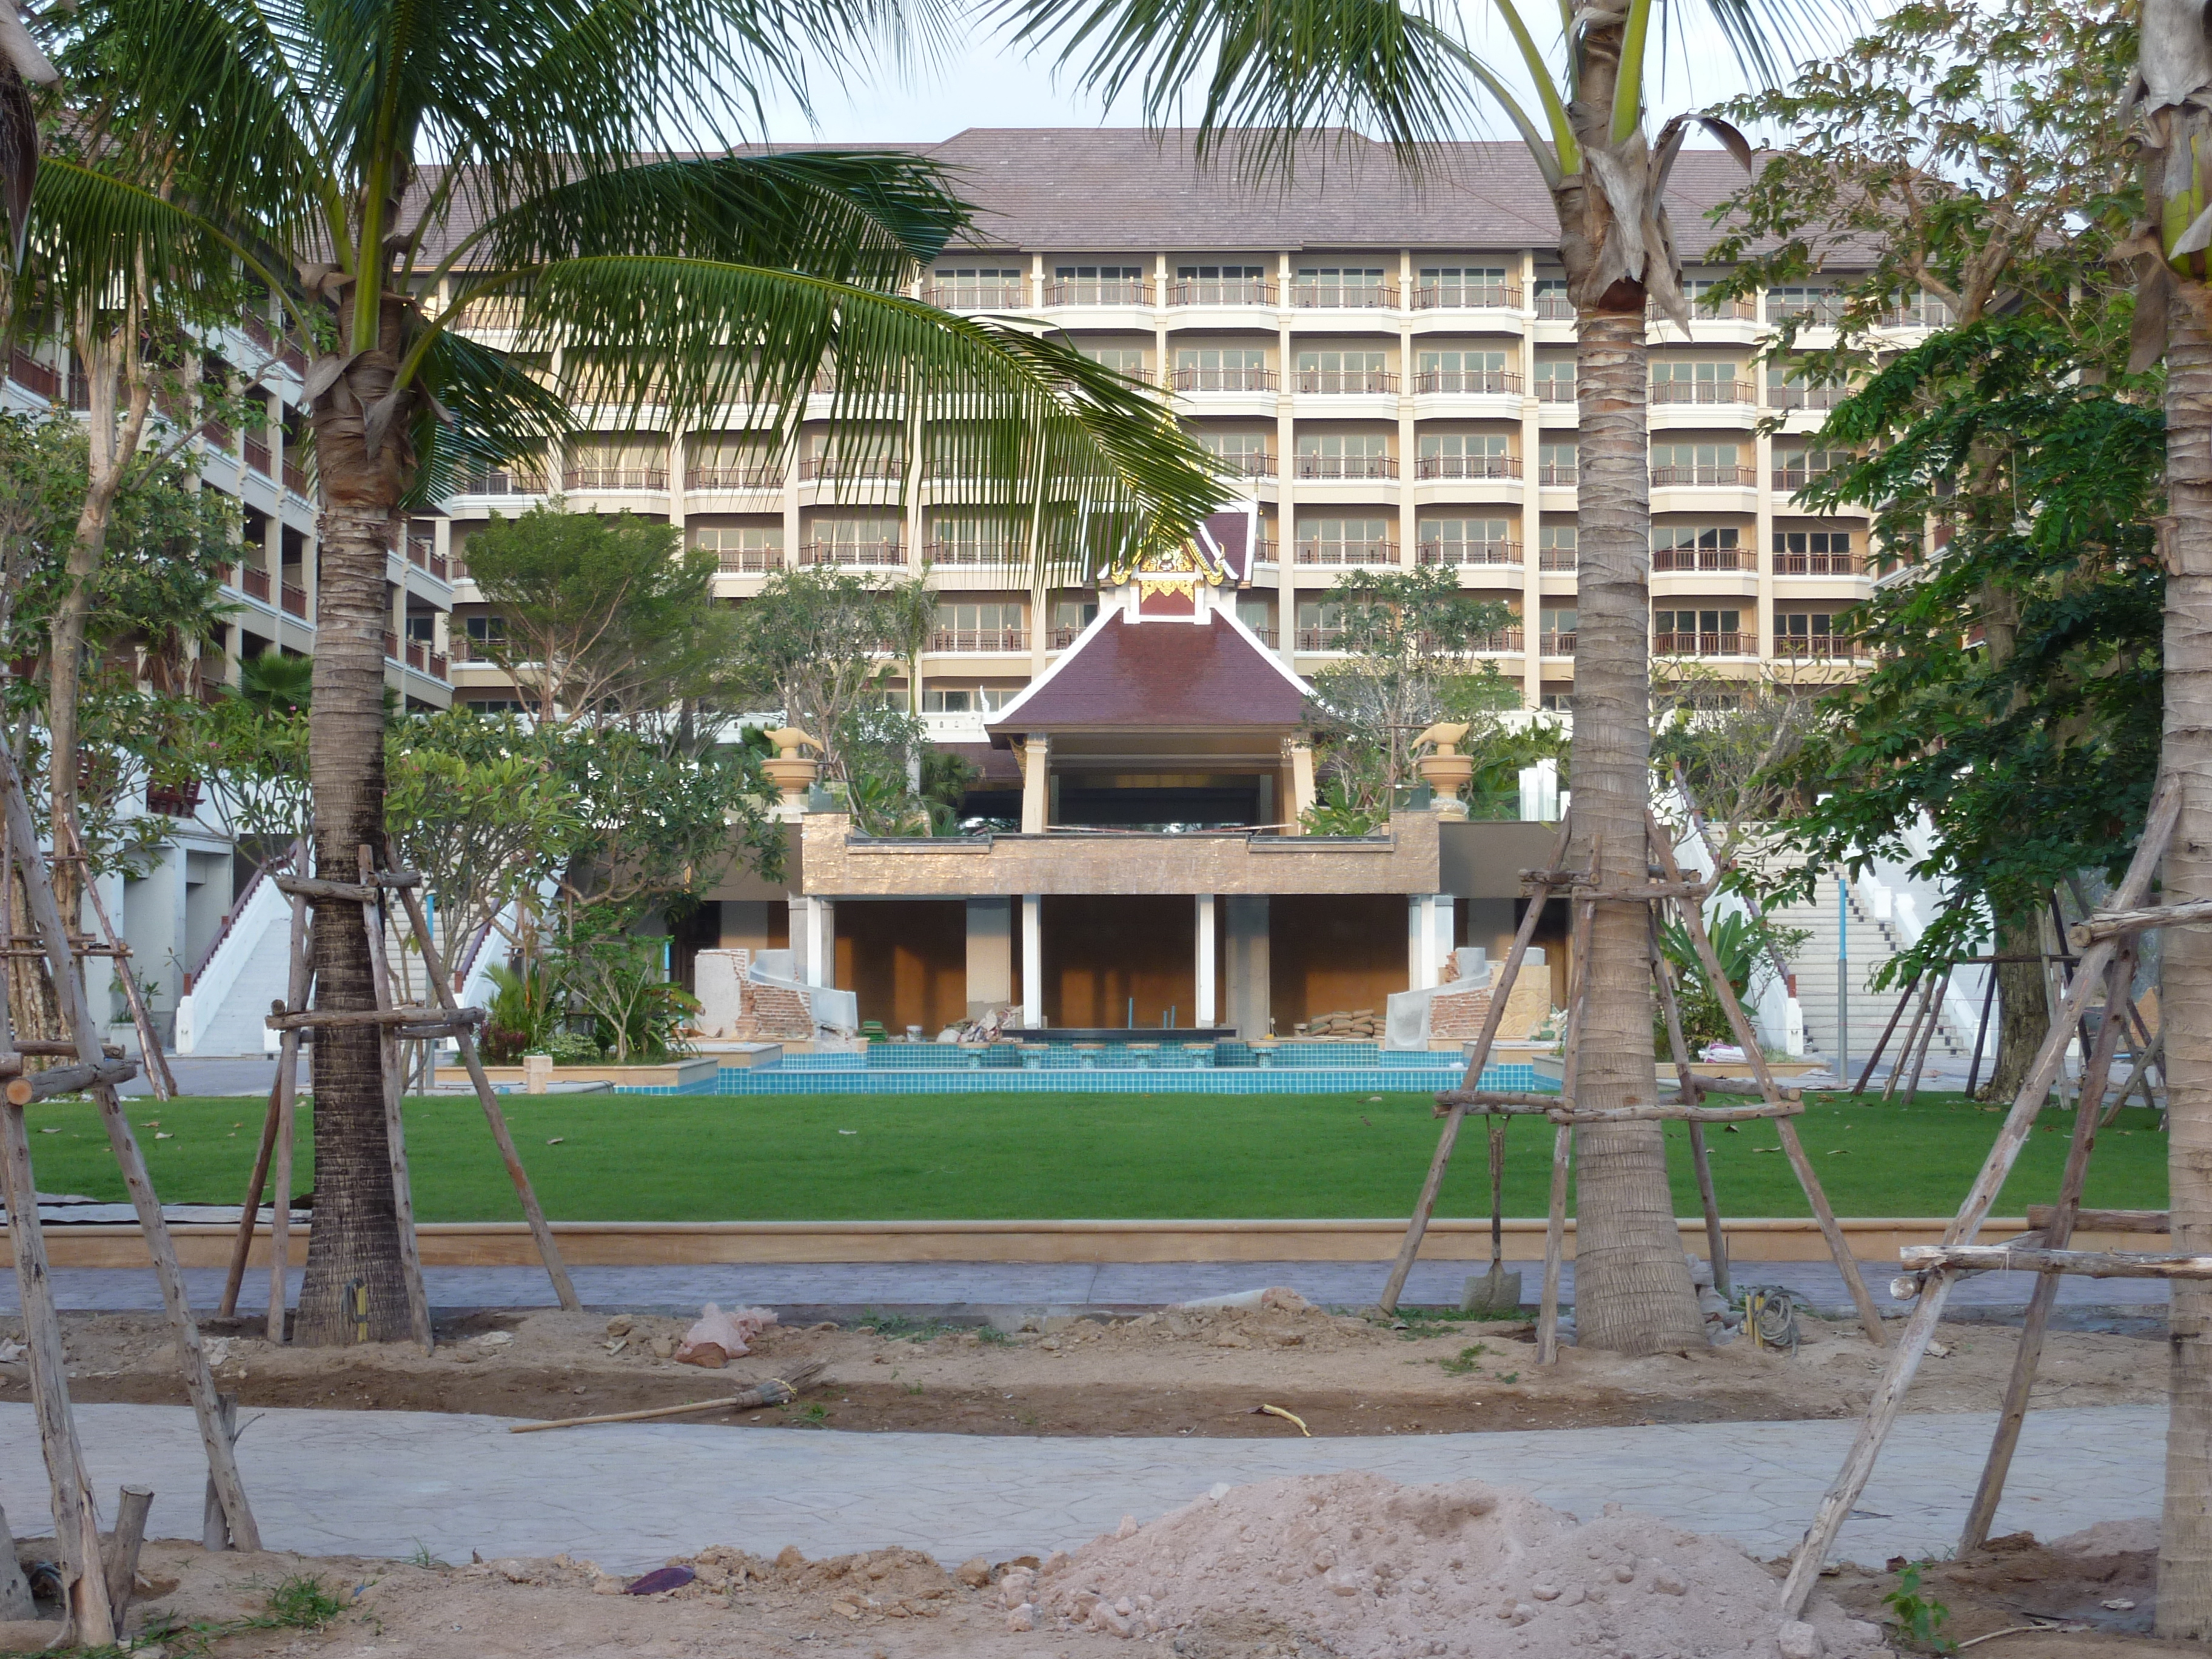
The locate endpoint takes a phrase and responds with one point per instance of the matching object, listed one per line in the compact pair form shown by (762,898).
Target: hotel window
(1716,633)
(984,625)
(1556,546)
(1335,372)
(1558,464)
(1466,455)
(1346,541)
(1346,455)
(1243,453)
(1683,382)
(1463,372)
(1125,359)
(1555,380)
(1352,286)
(966,287)
(1465,286)
(1221,285)
(1697,463)
(1811,634)
(742,549)
(1696,547)
(1467,541)
(1321,625)
(1222,368)
(1097,285)
(1814,553)
(1259,616)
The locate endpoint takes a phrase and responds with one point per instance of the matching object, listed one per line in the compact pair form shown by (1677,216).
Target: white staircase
(1872,942)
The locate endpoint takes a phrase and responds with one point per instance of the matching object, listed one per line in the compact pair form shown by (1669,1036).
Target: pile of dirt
(1370,1569)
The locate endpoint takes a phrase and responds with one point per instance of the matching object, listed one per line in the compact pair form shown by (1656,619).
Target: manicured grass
(1034,1157)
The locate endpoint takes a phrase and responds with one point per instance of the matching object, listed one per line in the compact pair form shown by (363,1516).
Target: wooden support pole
(69,988)
(1981,1030)
(1693,923)
(440,1020)
(2057,1231)
(1662,978)
(774,1391)
(2040,1216)
(548,1251)
(2152,1055)
(1508,1101)
(395,1129)
(158,1076)
(1555,1216)
(1927,1037)
(302,976)
(15,1602)
(1881,1411)
(346,892)
(2118,923)
(215,1530)
(1501,987)
(2091,1264)
(242,1248)
(123,1543)
(1881,1044)
(1924,984)
(69,1080)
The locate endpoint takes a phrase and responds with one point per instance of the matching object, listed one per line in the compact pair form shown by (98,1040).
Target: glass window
(1437,444)
(1330,363)
(1344,443)
(1128,360)
(1558,464)
(1099,273)
(941,700)
(1221,273)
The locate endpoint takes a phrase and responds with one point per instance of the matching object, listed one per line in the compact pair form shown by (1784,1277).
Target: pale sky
(981,82)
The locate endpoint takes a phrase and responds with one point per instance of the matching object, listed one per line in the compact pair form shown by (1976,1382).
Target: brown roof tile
(1165,675)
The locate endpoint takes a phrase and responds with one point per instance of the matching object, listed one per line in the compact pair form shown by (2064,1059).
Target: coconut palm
(1277,75)
(587,204)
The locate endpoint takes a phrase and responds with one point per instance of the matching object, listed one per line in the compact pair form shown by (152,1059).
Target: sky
(980,82)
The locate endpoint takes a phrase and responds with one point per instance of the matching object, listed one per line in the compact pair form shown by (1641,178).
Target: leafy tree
(1276,80)
(600,620)
(586,191)
(818,643)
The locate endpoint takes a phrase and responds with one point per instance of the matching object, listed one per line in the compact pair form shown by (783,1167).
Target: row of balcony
(1687,559)
(416,654)
(891,555)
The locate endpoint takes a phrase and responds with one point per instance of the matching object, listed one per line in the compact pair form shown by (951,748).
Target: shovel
(1496,1291)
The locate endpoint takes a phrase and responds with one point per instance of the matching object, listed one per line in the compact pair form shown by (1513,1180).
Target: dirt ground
(1178,1371)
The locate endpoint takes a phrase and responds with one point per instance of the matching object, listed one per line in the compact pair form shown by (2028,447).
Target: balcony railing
(1727,311)
(1699,558)
(439,669)
(1557,476)
(1222,379)
(983,640)
(1701,391)
(1220,291)
(1719,478)
(967,553)
(254,581)
(1093,292)
(1697,645)
(1497,640)
(1927,311)
(1819,564)
(1467,466)
(615,478)
(1468,296)
(1347,382)
(1267,636)
(1554,307)
(876,555)
(763,476)
(1825,311)
(1320,639)
(1824,647)
(1317,552)
(258,458)
(1265,551)
(1556,391)
(852,468)
(294,600)
(1347,466)
(1556,645)
(503,482)
(466,649)
(1557,558)
(976,296)
(748,561)
(1467,382)
(1470,553)
(418,656)
(217,434)
(1344,296)
(424,555)
(1805,396)
(1791,479)
(174,800)
(1247,465)
(295,480)
(1063,636)
(27,372)
(391,646)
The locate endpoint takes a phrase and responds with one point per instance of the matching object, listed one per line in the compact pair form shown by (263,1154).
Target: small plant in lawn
(301,1602)
(1919,1618)
(423,1557)
(1509,1377)
(1465,1363)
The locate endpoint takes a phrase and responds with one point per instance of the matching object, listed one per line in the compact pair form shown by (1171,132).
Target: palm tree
(1277,76)
(587,200)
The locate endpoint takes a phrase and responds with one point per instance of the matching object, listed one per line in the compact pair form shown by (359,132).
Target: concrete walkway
(976,1284)
(387,1483)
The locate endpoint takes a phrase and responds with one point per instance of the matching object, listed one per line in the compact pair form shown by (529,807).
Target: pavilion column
(1032,960)
(990,955)
(1249,991)
(1036,784)
(1206,961)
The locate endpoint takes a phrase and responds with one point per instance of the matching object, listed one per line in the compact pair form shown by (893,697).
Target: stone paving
(629,1495)
(1018,1284)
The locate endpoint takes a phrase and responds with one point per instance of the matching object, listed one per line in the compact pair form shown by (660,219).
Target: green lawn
(768,1157)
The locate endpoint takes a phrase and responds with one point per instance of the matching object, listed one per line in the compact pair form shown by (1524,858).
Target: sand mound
(1370,1569)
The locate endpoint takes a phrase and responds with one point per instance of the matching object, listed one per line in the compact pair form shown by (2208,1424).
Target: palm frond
(96,234)
(492,412)
(1081,461)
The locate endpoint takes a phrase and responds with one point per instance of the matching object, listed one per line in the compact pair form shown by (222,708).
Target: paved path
(386,1483)
(1032,1284)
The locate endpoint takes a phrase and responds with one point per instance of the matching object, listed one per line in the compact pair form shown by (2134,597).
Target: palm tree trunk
(1632,1290)
(2184,1564)
(353,1290)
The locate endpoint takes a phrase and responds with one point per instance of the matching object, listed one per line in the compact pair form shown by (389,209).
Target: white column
(1421,953)
(1205,954)
(1036,784)
(990,955)
(1032,960)
(821,942)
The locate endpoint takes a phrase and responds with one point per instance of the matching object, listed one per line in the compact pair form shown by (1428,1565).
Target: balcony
(1222,379)
(1096,293)
(1698,645)
(1556,391)
(391,646)
(1248,466)
(1701,392)
(1704,477)
(850,469)
(174,800)
(968,554)
(972,641)
(423,554)
(1553,475)
(748,561)
(1347,553)
(1471,553)
(1926,312)
(1467,466)
(1699,558)
(295,599)
(1820,311)
(1819,647)
(1347,467)
(253,582)
(1265,551)
(1553,306)
(1265,635)
(1556,645)
(503,481)
(295,480)
(976,296)
(418,656)
(1727,311)
(1467,382)
(1819,564)
(1557,558)
(1468,296)
(763,476)
(1789,480)
(1497,640)
(853,555)
(1344,296)
(258,458)
(1242,291)
(1805,396)
(27,372)
(1345,382)
(615,478)
(1321,639)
